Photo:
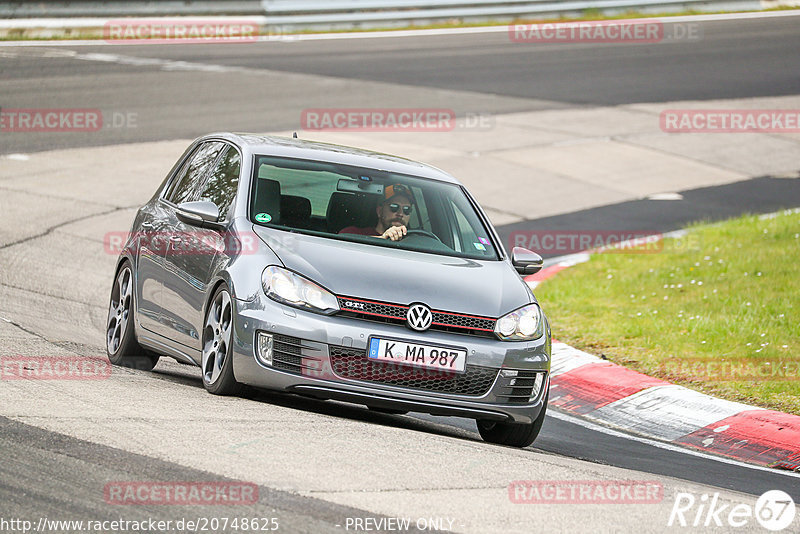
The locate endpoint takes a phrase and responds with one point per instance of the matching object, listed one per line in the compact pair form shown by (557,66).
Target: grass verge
(716,311)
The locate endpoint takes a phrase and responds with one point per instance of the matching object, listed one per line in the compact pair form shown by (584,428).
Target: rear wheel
(217,360)
(121,345)
(512,434)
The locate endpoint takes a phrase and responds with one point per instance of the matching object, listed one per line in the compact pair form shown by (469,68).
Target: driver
(393,211)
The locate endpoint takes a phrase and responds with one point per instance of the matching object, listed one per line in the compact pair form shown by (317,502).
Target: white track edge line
(552,412)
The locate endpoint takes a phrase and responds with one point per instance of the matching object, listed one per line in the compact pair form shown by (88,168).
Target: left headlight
(292,289)
(523,324)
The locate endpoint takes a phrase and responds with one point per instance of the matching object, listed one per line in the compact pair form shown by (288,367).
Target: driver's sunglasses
(394,206)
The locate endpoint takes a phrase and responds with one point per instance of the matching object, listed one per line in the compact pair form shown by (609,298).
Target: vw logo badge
(419,317)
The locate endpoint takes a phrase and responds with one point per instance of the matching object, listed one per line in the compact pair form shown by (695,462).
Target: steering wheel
(421,233)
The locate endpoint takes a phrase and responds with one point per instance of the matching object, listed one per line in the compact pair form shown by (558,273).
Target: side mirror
(200,213)
(525,261)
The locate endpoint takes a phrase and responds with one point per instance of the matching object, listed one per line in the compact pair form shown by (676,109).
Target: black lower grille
(353,364)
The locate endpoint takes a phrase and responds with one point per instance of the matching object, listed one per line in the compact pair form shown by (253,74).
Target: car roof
(272,145)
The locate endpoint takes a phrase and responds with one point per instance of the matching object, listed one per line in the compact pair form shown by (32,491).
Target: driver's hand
(395,233)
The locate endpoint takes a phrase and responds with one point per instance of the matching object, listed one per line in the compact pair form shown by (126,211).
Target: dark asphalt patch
(758,195)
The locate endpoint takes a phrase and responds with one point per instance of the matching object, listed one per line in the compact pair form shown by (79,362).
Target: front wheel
(217,363)
(512,434)
(121,345)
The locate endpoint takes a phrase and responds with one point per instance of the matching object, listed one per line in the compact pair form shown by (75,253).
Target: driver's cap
(394,190)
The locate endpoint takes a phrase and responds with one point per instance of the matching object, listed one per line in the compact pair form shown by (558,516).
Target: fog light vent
(264,348)
(521,386)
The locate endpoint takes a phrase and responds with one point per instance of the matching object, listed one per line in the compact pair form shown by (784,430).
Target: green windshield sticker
(264,217)
(479,246)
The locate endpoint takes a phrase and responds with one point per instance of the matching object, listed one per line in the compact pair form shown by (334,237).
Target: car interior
(327,199)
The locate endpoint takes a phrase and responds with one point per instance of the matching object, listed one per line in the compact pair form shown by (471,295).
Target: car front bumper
(325,357)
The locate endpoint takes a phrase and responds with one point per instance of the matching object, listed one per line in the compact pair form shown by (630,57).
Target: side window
(220,186)
(185,185)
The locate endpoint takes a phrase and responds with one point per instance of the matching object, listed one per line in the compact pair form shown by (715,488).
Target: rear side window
(188,181)
(221,184)
(315,185)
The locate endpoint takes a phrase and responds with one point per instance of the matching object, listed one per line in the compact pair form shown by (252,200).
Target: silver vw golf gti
(335,273)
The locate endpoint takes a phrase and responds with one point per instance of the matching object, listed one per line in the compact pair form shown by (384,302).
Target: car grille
(396,313)
(353,364)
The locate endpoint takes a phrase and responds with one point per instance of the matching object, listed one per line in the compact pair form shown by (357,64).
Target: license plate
(419,355)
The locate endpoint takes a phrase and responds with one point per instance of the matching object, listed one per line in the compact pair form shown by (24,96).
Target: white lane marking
(110,58)
(665,196)
(13,23)
(164,64)
(661,444)
(17,157)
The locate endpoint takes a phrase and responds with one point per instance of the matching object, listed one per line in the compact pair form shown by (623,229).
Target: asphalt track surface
(483,72)
(475,73)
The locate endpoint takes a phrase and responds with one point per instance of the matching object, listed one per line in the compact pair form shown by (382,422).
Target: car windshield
(358,204)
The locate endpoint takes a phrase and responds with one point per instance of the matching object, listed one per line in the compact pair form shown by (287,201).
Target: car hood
(487,288)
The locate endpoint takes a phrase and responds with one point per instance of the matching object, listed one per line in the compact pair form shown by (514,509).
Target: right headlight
(290,288)
(523,324)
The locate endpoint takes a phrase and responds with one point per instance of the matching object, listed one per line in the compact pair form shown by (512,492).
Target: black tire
(512,434)
(217,362)
(121,345)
